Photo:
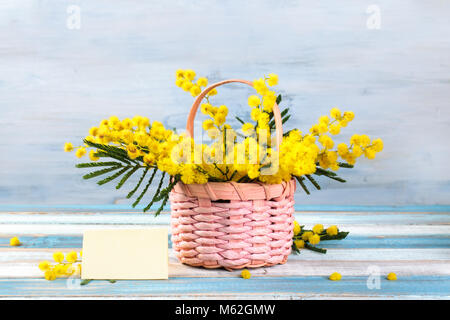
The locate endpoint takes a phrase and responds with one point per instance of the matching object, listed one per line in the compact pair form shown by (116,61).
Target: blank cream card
(125,254)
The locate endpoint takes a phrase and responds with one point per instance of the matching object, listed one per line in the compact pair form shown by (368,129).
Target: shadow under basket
(232,225)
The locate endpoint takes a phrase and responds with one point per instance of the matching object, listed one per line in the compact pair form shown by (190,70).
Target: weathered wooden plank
(307,218)
(352,241)
(360,229)
(294,267)
(126,208)
(335,254)
(295,287)
(18,255)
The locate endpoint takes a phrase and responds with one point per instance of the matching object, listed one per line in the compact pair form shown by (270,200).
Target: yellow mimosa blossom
(342,149)
(355,140)
(269,100)
(80,152)
(246,274)
(44,265)
(314,239)
(189,74)
(254,101)
(324,119)
(335,129)
(179,73)
(69,269)
(318,228)
(335,276)
(213,92)
(255,114)
(50,275)
(297,228)
(58,256)
(14,242)
(335,113)
(208,124)
(59,269)
(332,230)
(202,82)
(357,151)
(349,115)
(260,86)
(392,276)
(68,147)
(223,110)
(92,155)
(248,128)
(273,80)
(133,151)
(299,243)
(186,85)
(93,131)
(377,145)
(364,140)
(306,235)
(71,257)
(195,90)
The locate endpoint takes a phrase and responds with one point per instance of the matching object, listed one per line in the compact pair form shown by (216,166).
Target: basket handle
(198,100)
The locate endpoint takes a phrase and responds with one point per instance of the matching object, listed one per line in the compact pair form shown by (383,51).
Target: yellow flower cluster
(14,242)
(335,276)
(391,276)
(268,97)
(312,236)
(254,157)
(327,157)
(246,274)
(62,268)
(359,145)
(185,79)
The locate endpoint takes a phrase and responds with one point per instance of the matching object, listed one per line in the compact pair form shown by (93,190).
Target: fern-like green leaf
(128,175)
(145,189)
(285,119)
(102,154)
(240,120)
(97,164)
(130,194)
(341,235)
(165,194)
(114,176)
(279,99)
(112,151)
(345,165)
(284,112)
(287,133)
(316,249)
(313,181)
(323,172)
(100,172)
(156,193)
(300,181)
(337,179)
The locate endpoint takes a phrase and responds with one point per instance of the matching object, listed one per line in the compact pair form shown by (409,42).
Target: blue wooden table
(414,245)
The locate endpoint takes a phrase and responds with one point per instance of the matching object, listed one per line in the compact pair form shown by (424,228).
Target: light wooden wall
(56,82)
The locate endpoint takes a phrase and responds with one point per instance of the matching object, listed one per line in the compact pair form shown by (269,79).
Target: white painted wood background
(56,82)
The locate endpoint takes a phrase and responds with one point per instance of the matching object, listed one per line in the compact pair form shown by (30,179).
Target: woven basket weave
(229,224)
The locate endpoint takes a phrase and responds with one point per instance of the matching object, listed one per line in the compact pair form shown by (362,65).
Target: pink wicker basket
(229,224)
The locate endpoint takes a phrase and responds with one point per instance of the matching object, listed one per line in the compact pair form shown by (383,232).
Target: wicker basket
(229,224)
